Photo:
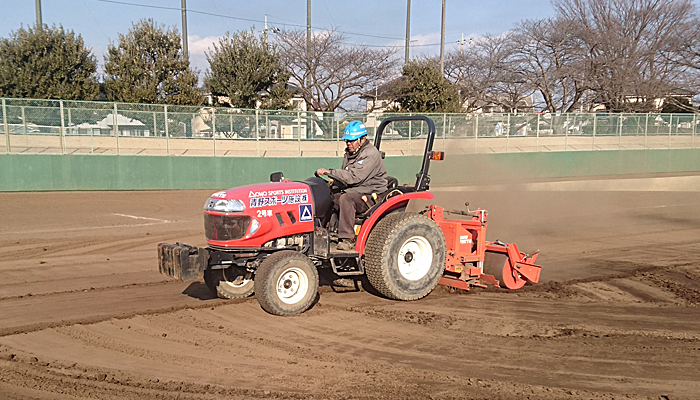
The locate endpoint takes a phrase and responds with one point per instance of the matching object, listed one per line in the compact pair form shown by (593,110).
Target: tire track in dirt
(181,343)
(618,317)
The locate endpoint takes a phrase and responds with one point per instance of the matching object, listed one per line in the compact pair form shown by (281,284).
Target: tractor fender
(386,207)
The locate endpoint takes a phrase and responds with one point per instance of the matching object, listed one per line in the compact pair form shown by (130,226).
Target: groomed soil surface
(84,313)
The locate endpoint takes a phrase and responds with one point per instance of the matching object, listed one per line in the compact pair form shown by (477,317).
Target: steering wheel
(332,181)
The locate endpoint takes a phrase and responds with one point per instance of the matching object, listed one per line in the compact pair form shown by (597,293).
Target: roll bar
(422,179)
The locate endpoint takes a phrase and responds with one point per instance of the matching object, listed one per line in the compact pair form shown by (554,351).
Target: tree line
(623,54)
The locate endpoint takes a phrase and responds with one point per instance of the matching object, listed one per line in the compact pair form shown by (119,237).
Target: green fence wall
(37,172)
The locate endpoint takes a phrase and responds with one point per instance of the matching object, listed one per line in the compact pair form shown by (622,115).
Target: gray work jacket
(363,171)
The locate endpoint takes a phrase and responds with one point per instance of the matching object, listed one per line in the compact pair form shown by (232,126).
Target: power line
(126,3)
(394,45)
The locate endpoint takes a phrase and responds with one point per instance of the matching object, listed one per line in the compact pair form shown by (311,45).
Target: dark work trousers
(348,204)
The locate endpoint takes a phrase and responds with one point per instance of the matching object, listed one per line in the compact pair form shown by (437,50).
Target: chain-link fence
(75,127)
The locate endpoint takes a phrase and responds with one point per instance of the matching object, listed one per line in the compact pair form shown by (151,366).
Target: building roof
(108,122)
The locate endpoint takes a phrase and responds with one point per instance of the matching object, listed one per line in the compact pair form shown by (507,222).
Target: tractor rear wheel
(497,264)
(229,283)
(286,283)
(405,256)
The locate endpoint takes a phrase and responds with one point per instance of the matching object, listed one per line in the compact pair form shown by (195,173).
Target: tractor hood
(254,215)
(267,194)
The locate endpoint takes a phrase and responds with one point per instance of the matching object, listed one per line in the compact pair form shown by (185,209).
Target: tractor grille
(223,227)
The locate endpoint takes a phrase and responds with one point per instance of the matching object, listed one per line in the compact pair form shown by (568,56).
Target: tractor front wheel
(405,256)
(230,283)
(286,283)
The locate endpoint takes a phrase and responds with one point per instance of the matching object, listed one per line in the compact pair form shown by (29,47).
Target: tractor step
(346,264)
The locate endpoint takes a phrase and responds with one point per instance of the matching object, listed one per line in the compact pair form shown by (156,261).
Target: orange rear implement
(472,261)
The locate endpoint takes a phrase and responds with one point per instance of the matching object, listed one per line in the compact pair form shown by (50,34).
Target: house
(126,126)
(684,95)
(243,121)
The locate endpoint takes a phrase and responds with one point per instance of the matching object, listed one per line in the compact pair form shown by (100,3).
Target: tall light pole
(184,30)
(39,23)
(408,28)
(442,41)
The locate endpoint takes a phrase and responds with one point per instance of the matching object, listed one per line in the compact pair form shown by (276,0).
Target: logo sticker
(305,213)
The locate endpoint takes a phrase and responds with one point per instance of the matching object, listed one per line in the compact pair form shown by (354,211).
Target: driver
(363,172)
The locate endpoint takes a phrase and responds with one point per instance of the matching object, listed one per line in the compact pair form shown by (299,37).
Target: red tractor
(270,239)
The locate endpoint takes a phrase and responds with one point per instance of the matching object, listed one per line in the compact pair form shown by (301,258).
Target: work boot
(346,245)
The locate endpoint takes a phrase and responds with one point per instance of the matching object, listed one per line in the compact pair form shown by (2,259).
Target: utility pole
(308,44)
(461,42)
(408,28)
(265,30)
(442,41)
(39,23)
(185,53)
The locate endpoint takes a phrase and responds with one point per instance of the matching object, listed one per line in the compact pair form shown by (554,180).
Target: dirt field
(84,313)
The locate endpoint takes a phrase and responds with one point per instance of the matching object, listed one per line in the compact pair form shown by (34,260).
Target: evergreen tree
(147,66)
(47,63)
(422,88)
(247,71)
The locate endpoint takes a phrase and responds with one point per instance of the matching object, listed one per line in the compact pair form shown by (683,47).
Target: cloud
(198,45)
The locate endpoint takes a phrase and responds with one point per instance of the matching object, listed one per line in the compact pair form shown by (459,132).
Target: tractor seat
(394,191)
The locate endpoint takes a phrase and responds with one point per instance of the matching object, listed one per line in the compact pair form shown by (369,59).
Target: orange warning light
(437,155)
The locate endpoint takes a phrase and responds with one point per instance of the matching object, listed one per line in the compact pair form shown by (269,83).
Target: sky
(365,22)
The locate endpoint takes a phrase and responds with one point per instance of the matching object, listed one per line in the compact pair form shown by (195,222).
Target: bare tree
(554,62)
(467,70)
(488,73)
(334,71)
(631,47)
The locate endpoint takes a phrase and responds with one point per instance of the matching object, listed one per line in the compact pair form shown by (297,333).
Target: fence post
(646,129)
(670,129)
(619,139)
(595,127)
(116,125)
(155,128)
(24,121)
(70,123)
(508,131)
(257,127)
(63,128)
(537,133)
(692,137)
(299,131)
(213,128)
(444,121)
(167,131)
(476,133)
(566,138)
(7,128)
(410,125)
(337,136)
(421,129)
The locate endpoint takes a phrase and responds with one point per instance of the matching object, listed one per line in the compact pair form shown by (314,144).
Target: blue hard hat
(355,130)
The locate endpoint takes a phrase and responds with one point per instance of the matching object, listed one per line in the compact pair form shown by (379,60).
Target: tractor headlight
(222,205)
(254,226)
